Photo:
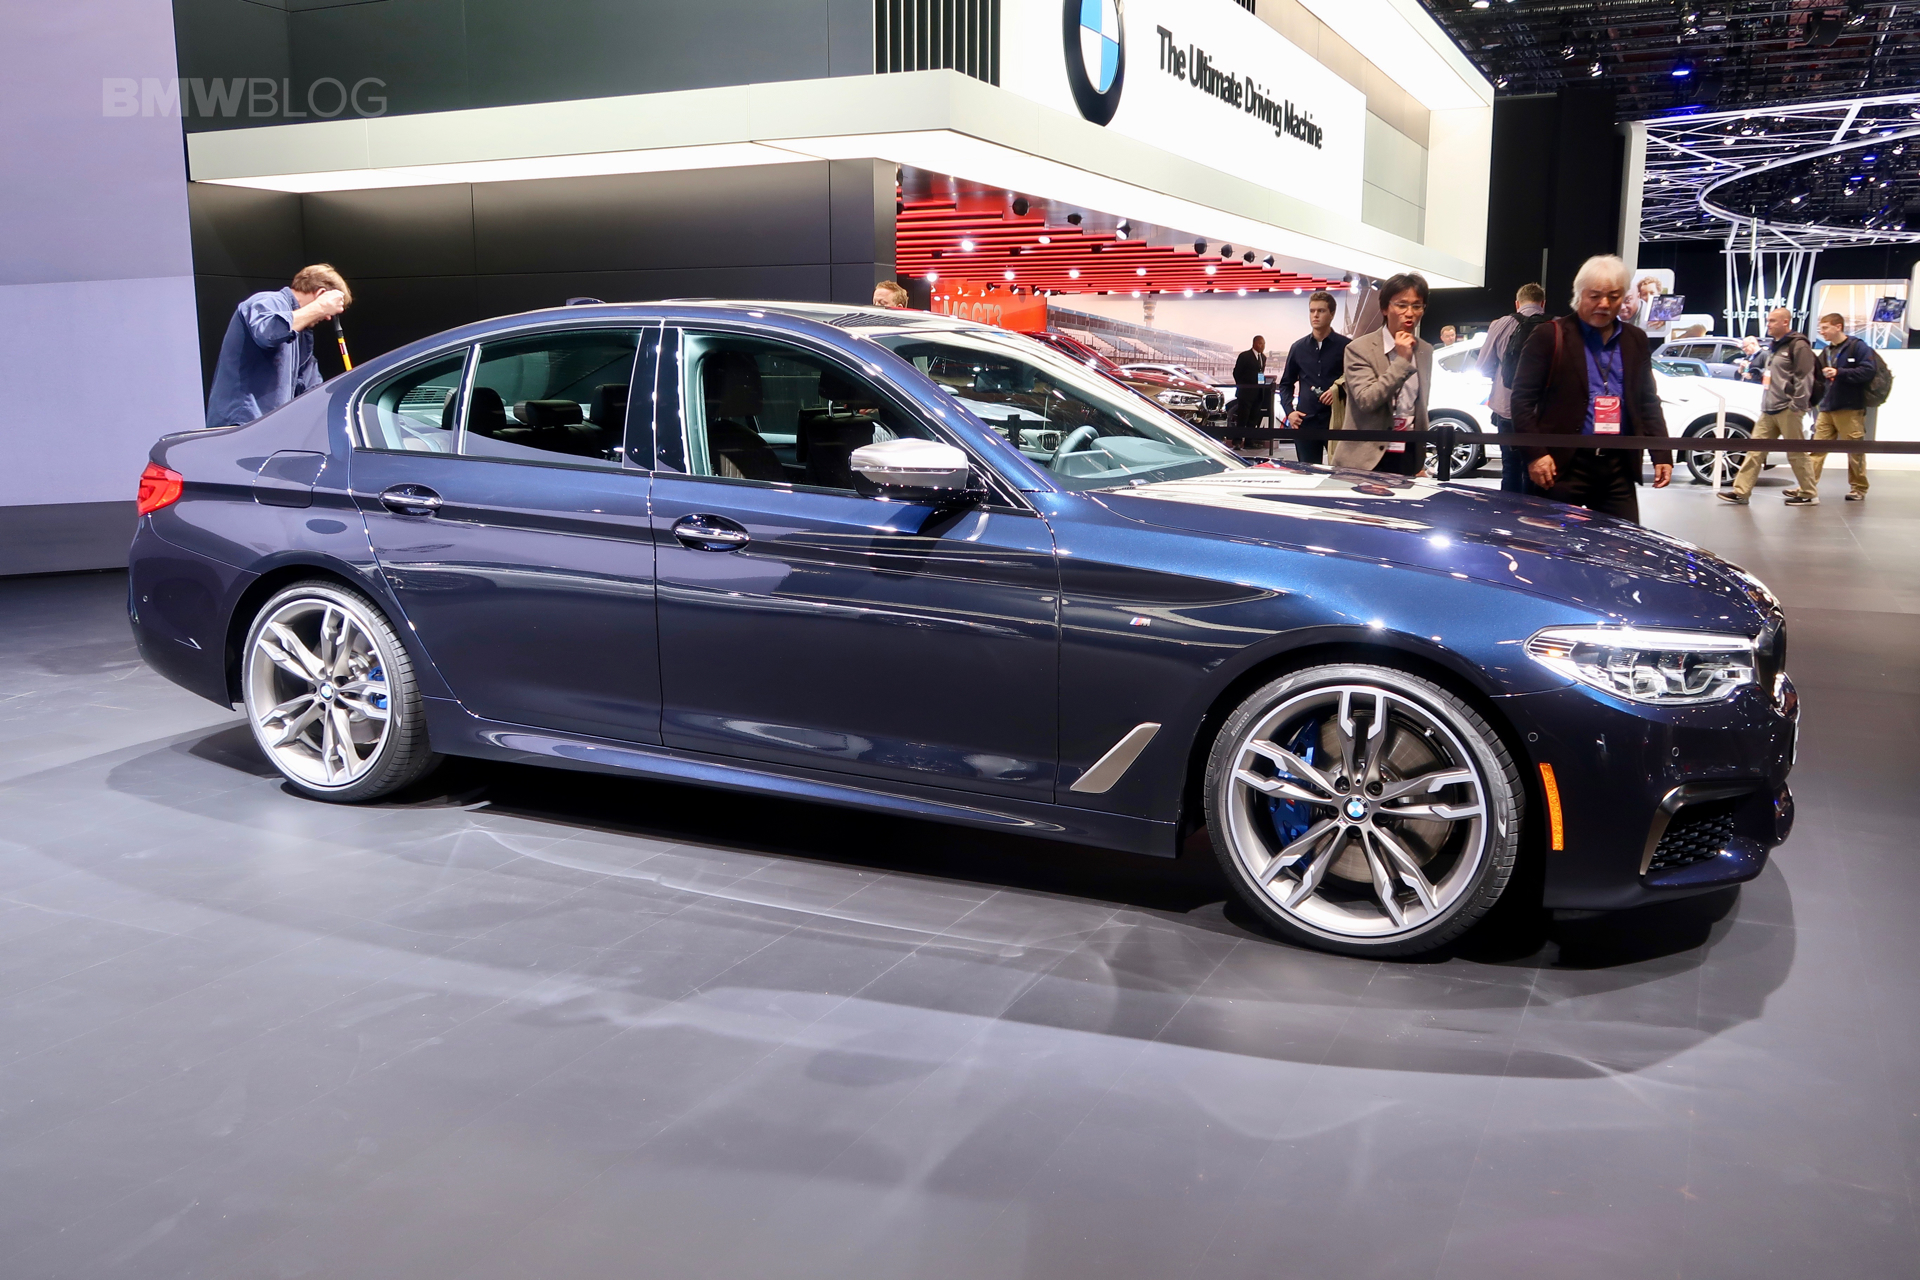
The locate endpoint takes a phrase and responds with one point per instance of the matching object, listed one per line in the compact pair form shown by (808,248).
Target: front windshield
(1672,370)
(1088,432)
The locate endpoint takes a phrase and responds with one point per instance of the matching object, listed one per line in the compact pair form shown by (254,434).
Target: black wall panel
(754,216)
(415,48)
(400,231)
(238,231)
(439,55)
(1556,182)
(424,259)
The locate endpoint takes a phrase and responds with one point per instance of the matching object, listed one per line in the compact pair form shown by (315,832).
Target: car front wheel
(1363,810)
(331,697)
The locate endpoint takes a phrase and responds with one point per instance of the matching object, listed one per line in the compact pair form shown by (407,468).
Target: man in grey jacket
(1787,391)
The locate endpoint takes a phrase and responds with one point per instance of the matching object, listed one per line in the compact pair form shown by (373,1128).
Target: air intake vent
(1696,833)
(864,320)
(934,35)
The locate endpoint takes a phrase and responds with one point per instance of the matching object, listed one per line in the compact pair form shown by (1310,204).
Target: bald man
(1786,392)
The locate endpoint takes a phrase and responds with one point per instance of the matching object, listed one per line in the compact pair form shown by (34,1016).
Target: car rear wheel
(331,697)
(1700,461)
(1469,455)
(1363,810)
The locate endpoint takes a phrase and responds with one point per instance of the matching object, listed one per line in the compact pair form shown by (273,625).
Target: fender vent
(1696,834)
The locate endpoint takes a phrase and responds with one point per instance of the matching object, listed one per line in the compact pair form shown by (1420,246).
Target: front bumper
(1658,803)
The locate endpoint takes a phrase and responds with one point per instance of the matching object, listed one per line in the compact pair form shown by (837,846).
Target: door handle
(410,500)
(710,533)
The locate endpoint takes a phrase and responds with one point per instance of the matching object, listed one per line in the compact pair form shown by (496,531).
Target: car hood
(1614,568)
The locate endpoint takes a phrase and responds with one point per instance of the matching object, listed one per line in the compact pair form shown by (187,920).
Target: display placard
(1202,79)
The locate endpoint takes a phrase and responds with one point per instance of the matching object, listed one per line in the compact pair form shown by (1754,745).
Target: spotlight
(966,246)
(1073,273)
(1125,228)
(1073,219)
(1243,291)
(1298,292)
(1136,293)
(1269,261)
(1226,251)
(1046,239)
(1247,256)
(1199,246)
(933,277)
(1008,274)
(1211,269)
(1188,292)
(1020,206)
(1594,68)
(1139,271)
(1682,70)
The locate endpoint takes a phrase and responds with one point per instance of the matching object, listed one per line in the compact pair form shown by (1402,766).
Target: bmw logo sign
(1356,809)
(1096,52)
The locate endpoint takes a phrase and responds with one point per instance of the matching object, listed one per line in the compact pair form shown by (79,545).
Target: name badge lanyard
(1606,406)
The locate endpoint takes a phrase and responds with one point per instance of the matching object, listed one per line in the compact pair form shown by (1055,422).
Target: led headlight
(1669,668)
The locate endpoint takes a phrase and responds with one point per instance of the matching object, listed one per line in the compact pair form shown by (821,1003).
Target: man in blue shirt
(266,357)
(1587,376)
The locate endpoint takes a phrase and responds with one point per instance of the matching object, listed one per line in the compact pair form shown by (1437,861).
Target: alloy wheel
(1357,811)
(317,692)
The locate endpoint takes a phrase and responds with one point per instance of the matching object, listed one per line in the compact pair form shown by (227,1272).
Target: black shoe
(1728,495)
(1802,500)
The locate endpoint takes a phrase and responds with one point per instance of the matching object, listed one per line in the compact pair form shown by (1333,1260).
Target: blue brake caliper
(1290,818)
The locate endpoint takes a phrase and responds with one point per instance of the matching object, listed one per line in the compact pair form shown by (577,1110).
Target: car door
(802,623)
(510,519)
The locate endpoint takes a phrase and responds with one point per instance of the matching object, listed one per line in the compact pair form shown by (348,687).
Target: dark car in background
(1187,398)
(909,563)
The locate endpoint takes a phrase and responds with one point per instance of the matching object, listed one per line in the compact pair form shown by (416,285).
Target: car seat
(730,385)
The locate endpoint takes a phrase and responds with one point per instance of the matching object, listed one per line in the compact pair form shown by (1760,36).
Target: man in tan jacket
(1387,376)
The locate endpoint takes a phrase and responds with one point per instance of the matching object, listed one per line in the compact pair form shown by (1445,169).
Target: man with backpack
(1851,371)
(1499,360)
(1788,390)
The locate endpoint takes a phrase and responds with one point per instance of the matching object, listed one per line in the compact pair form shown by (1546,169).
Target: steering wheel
(1080,436)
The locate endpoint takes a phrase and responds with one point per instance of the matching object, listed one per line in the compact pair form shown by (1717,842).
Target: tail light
(159,488)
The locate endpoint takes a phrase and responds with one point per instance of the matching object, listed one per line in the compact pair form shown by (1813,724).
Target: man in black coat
(1248,369)
(1587,374)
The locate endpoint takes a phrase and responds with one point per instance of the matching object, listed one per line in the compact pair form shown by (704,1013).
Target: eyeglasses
(1411,308)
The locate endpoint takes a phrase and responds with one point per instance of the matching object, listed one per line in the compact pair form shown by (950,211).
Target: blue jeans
(1513,467)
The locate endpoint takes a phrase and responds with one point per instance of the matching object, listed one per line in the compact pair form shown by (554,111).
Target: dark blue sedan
(899,561)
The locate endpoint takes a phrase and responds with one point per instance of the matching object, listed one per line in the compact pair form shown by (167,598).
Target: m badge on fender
(1096,50)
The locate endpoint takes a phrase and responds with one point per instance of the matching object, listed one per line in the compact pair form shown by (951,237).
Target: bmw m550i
(904,562)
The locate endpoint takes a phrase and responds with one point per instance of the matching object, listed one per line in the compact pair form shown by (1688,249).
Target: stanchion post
(1446,450)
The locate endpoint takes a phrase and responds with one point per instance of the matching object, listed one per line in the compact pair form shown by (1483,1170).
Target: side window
(778,414)
(552,397)
(418,409)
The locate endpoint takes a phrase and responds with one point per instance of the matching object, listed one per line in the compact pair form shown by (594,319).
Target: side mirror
(913,471)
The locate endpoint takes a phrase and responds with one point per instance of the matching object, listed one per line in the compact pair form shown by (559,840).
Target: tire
(1376,881)
(1468,455)
(1700,462)
(331,697)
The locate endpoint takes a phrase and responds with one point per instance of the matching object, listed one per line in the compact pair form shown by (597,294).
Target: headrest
(731,381)
(609,404)
(488,412)
(547,413)
(838,390)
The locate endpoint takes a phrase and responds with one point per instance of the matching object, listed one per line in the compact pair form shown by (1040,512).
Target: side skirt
(454,731)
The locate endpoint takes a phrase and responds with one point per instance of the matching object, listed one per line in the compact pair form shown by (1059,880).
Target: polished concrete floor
(550,1027)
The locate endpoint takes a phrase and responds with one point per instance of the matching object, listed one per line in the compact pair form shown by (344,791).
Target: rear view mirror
(913,470)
